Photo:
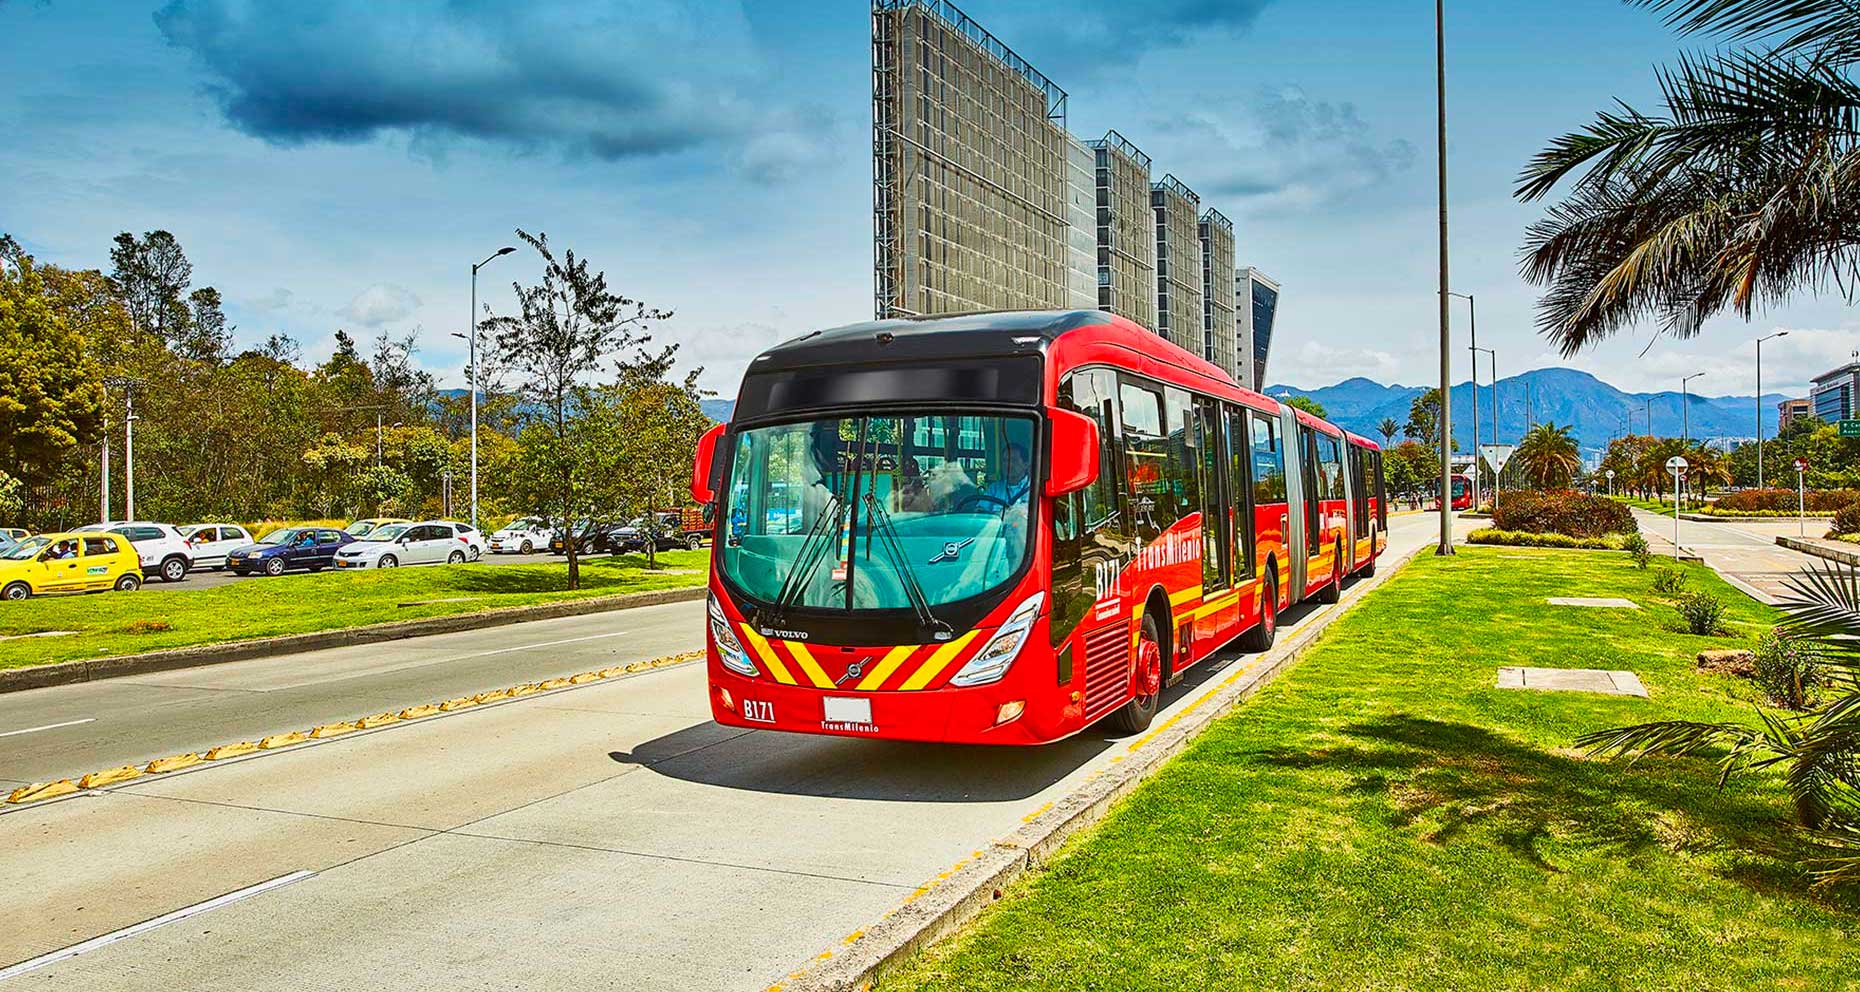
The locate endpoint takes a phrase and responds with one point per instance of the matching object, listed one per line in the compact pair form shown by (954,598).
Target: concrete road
(211,578)
(1744,552)
(603,836)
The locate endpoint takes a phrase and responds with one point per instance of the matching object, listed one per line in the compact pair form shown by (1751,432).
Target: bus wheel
(1135,716)
(1259,639)
(1370,568)
(1333,591)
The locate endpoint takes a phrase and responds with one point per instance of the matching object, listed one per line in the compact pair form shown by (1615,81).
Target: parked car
(689,523)
(163,549)
(473,537)
(663,529)
(211,542)
(362,527)
(312,548)
(78,561)
(16,533)
(582,532)
(522,536)
(429,542)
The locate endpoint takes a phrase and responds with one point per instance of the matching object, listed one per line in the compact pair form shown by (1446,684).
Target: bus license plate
(845,710)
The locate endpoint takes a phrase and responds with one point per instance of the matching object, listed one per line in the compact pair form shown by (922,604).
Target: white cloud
(380,305)
(1313,364)
(1729,365)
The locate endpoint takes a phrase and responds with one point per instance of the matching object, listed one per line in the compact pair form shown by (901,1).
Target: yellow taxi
(361,527)
(75,562)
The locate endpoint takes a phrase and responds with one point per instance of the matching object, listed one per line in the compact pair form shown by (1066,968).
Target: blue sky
(341,164)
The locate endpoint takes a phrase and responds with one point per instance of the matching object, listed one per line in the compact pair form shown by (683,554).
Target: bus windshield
(883,512)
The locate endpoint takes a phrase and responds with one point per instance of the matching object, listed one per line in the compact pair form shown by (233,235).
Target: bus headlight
(992,661)
(729,649)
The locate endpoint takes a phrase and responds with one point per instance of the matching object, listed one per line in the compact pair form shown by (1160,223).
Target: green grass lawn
(1382,817)
(114,623)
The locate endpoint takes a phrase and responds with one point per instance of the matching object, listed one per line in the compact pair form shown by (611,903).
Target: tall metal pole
(1494,356)
(1473,324)
(1446,370)
(103,506)
(129,454)
(473,350)
(377,437)
(1760,341)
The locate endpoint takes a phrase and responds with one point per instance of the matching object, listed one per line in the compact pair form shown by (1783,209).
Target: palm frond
(1788,24)
(1671,737)
(1823,603)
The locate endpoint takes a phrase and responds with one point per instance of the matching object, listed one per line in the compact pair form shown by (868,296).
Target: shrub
(1788,669)
(1669,581)
(1702,612)
(1636,545)
(1526,539)
(1784,500)
(1562,512)
(1846,520)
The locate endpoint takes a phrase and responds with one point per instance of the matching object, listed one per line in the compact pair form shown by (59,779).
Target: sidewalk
(1744,552)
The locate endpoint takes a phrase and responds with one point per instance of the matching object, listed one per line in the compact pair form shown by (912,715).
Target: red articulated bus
(1002,528)
(1461,492)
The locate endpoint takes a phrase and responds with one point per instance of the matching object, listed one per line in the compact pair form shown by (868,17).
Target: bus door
(1091,546)
(1315,495)
(1218,610)
(1296,499)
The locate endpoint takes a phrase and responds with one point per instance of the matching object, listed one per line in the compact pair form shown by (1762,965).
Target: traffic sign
(1801,465)
(1850,428)
(1610,473)
(1496,455)
(1676,465)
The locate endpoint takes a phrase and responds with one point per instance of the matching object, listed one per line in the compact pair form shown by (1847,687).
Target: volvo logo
(786,635)
(853,671)
(951,551)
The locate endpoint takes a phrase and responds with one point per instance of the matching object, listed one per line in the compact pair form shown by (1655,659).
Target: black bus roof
(972,335)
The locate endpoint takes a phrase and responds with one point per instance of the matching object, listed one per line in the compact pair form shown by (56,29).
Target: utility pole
(1472,311)
(103,506)
(474,376)
(129,454)
(1446,370)
(1685,411)
(1760,341)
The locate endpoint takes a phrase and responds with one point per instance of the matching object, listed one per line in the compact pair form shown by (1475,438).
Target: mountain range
(1595,410)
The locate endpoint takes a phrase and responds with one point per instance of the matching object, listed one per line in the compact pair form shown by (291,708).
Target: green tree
(566,327)
(1307,404)
(150,275)
(208,336)
(1548,456)
(1388,428)
(1742,191)
(51,397)
(1424,419)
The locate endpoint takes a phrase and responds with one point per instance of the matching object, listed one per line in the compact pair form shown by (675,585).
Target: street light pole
(1494,356)
(1760,341)
(474,376)
(1472,311)
(1685,412)
(129,454)
(1446,371)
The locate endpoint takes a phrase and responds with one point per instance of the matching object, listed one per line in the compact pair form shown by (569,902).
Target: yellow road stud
(525,689)
(416,712)
(639,666)
(548,684)
(42,790)
(173,763)
(334,730)
(493,696)
(283,740)
(378,720)
(457,704)
(110,776)
(616,670)
(231,750)
(584,678)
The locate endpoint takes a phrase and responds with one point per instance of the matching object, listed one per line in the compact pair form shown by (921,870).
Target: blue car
(311,548)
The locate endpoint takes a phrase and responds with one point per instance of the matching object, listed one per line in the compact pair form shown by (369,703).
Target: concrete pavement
(602,836)
(1744,552)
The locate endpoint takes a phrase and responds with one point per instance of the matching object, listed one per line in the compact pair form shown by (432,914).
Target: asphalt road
(212,578)
(601,836)
(1745,552)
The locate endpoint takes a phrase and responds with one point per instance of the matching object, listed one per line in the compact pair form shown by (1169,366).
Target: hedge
(1562,512)
(1818,500)
(1525,539)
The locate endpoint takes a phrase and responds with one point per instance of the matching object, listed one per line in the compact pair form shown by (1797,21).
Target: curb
(1819,550)
(945,904)
(68,672)
(1722,518)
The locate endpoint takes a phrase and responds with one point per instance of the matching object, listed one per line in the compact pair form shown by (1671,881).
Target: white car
(426,542)
(522,537)
(162,548)
(210,542)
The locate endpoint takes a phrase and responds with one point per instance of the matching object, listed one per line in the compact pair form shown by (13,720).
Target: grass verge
(115,623)
(1382,817)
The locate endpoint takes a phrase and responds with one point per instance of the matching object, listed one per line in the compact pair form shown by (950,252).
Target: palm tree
(1548,456)
(1388,428)
(1818,750)
(1745,190)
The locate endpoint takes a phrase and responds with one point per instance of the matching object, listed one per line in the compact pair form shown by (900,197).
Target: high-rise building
(1126,230)
(1256,299)
(1178,262)
(1218,323)
(1831,394)
(1081,225)
(1790,409)
(969,168)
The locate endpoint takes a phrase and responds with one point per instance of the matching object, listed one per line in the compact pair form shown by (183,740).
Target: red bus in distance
(1003,528)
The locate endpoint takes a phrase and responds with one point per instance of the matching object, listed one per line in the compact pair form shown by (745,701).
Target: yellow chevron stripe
(760,645)
(937,661)
(1136,623)
(877,676)
(805,659)
(1184,596)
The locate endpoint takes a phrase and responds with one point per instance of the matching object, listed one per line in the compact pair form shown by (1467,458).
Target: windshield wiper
(807,560)
(913,590)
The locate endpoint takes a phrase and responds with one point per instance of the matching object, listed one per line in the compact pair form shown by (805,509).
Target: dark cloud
(1285,150)
(1095,37)
(613,80)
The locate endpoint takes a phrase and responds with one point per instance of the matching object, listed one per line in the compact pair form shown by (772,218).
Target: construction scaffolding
(970,167)
(1126,232)
(1218,322)
(1177,211)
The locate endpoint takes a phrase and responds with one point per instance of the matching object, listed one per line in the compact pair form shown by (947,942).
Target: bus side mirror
(701,491)
(1073,458)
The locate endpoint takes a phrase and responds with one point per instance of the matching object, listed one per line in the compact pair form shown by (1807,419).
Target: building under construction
(1218,323)
(982,200)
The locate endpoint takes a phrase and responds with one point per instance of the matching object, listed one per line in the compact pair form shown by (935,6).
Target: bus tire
(1333,590)
(1134,717)
(1259,639)
(1369,567)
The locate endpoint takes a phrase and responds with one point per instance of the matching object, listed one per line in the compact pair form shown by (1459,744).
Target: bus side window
(1146,452)
(1268,461)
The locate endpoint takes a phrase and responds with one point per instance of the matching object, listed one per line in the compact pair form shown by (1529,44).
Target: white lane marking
(146,925)
(544,644)
(419,663)
(49,726)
